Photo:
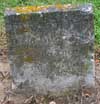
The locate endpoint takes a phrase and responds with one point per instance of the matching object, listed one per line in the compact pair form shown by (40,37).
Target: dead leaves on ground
(29,100)
(97,56)
(4,75)
(7,100)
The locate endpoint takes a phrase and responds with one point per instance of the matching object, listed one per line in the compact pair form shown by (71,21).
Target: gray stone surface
(51,50)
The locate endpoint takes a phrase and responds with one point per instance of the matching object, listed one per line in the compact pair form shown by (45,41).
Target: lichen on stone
(28,9)
(24,18)
(28,59)
(23,29)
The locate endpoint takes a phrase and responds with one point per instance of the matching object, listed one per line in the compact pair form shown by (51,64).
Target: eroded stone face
(50,51)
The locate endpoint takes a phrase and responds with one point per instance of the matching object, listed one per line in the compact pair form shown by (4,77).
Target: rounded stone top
(48,8)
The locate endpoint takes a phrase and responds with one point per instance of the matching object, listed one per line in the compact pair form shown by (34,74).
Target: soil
(7,96)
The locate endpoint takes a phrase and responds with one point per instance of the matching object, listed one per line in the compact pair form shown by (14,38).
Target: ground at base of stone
(7,96)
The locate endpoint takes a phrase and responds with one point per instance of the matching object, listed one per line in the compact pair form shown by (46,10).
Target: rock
(51,51)
(52,102)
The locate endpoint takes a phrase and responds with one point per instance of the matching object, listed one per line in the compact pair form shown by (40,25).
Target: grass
(12,3)
(97,20)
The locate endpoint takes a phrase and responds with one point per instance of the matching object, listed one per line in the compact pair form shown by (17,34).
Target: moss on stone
(28,59)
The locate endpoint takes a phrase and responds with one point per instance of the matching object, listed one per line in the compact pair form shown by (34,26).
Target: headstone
(51,48)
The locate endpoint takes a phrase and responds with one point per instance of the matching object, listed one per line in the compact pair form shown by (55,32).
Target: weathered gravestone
(51,48)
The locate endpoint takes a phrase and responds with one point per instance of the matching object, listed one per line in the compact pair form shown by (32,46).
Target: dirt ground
(7,96)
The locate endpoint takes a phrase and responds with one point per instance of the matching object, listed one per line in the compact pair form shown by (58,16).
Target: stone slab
(51,50)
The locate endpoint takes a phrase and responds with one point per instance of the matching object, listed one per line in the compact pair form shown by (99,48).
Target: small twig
(29,100)
(2,75)
(5,76)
